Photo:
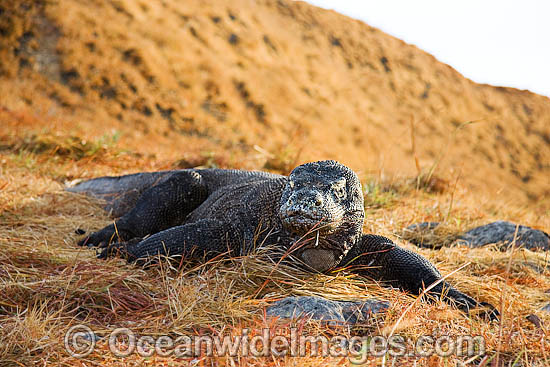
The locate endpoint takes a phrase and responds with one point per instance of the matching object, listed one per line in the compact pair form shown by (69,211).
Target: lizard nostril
(318,202)
(291,210)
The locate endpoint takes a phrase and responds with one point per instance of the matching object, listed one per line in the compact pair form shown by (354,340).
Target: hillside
(265,83)
(104,87)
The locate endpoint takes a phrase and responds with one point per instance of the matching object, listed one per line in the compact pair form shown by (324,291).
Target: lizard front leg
(203,239)
(160,207)
(379,258)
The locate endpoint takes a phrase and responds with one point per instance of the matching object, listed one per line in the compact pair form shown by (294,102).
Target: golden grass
(112,87)
(302,84)
(48,284)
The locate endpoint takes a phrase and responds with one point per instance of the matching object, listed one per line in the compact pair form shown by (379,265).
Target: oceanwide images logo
(80,341)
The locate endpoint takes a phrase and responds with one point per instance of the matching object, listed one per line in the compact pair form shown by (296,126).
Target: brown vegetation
(98,87)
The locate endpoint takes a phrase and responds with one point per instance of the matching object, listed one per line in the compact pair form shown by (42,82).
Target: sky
(503,42)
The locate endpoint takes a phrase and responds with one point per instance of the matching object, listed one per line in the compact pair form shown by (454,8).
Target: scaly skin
(314,218)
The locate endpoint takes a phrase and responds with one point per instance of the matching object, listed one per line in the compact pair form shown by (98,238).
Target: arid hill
(263,84)
(95,87)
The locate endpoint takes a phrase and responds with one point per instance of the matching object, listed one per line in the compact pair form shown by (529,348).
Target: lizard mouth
(302,223)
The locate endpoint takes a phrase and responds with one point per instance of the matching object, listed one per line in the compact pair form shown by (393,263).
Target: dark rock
(500,232)
(358,311)
(385,63)
(335,41)
(424,235)
(535,320)
(423,226)
(233,39)
(91,337)
(503,232)
(538,268)
(317,308)
(546,308)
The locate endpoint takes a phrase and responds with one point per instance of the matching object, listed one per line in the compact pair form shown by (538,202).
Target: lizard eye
(338,187)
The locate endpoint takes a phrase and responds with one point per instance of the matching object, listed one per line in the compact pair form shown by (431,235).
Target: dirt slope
(95,87)
(263,83)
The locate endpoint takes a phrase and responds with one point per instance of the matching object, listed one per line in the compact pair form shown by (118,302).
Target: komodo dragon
(313,219)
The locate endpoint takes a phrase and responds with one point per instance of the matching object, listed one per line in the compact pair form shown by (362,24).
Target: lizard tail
(120,192)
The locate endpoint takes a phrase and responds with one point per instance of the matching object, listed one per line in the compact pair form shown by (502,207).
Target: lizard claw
(104,237)
(486,310)
(91,241)
(121,249)
(117,248)
(489,312)
(469,305)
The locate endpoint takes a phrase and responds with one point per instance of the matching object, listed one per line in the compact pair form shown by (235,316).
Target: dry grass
(48,284)
(299,82)
(112,87)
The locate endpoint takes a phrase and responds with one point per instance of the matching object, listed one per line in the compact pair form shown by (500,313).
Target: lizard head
(323,199)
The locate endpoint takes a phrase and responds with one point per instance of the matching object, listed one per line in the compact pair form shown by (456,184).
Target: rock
(422,226)
(501,232)
(359,311)
(535,266)
(546,308)
(91,337)
(317,308)
(428,234)
(535,320)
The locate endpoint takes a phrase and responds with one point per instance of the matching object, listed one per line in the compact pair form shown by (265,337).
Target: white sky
(499,42)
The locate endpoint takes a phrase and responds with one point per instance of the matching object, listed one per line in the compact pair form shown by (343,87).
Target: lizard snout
(304,203)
